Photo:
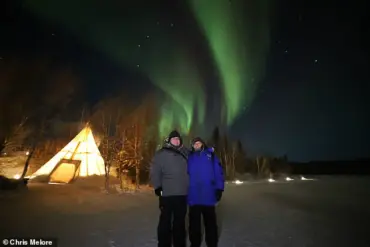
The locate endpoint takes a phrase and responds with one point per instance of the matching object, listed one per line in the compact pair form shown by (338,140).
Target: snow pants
(210,225)
(171,227)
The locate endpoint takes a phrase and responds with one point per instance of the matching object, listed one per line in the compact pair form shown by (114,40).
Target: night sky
(286,77)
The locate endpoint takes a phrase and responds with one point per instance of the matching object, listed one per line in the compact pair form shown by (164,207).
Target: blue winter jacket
(205,177)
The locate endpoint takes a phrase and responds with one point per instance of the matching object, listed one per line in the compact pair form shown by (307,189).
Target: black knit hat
(173,134)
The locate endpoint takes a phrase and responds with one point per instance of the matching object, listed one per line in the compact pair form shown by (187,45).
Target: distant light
(307,179)
(27,153)
(238,182)
(289,179)
(271,180)
(17,176)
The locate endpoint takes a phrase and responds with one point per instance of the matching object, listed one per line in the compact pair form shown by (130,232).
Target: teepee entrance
(65,171)
(79,158)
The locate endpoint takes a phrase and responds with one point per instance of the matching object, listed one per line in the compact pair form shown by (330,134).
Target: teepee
(80,158)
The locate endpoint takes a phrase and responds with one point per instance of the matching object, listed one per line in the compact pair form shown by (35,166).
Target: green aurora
(238,45)
(183,85)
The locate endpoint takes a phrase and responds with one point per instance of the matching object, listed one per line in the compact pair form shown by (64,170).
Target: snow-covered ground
(325,212)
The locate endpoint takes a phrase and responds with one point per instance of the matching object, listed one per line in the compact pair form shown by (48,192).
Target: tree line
(129,138)
(34,93)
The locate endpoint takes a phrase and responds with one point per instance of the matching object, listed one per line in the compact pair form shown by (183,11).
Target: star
(139,46)
(316,61)
(157,22)
(138,65)
(286,51)
(53,34)
(300,17)
(171,25)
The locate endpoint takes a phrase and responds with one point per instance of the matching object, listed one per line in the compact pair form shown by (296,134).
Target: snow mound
(93,182)
(98,184)
(12,166)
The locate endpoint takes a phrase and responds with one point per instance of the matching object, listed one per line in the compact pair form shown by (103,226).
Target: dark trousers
(171,227)
(210,225)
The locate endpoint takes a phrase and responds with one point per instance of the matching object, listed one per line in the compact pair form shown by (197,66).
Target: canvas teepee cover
(80,158)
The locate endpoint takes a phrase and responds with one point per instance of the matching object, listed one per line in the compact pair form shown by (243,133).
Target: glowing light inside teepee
(82,149)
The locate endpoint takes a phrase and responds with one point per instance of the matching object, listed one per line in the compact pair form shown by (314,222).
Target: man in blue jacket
(206,185)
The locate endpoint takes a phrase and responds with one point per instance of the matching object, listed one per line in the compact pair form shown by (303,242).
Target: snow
(12,166)
(325,212)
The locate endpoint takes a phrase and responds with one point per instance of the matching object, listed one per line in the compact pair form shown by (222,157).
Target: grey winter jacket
(169,171)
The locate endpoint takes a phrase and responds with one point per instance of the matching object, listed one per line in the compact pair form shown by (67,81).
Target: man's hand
(219,195)
(158,191)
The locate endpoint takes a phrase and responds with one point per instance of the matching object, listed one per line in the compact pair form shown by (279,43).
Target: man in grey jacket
(169,178)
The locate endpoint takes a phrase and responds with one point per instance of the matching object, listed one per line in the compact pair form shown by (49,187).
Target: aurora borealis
(237,45)
(284,77)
